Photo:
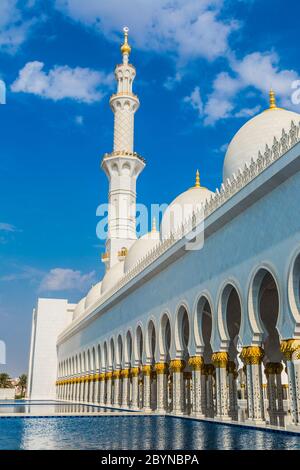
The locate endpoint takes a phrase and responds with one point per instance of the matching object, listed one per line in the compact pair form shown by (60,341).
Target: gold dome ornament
(273,104)
(125,48)
(272,99)
(197,183)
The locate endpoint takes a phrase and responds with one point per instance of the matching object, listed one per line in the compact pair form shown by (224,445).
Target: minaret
(123,165)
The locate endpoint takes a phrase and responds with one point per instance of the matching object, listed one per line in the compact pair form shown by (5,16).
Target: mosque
(212,332)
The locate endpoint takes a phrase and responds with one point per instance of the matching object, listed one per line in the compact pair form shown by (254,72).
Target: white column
(147,370)
(291,352)
(87,389)
(153,392)
(82,386)
(196,363)
(220,360)
(161,369)
(108,380)
(208,404)
(91,390)
(125,388)
(296,362)
(135,387)
(232,388)
(117,387)
(271,392)
(102,389)
(177,367)
(252,357)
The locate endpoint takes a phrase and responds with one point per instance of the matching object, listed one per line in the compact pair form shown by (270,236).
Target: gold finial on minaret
(197,185)
(125,48)
(272,99)
(154,225)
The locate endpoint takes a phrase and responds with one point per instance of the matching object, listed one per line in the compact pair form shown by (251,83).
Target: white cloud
(172,81)
(59,279)
(248,112)
(187,28)
(80,84)
(195,100)
(5,227)
(257,71)
(221,149)
(14,28)
(79,120)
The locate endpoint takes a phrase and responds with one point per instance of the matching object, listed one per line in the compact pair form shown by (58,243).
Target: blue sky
(203,68)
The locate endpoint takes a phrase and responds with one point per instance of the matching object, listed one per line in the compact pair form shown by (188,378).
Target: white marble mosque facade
(211,332)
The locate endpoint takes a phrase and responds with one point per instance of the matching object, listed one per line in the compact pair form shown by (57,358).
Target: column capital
(161,368)
(125,373)
(220,359)
(108,375)
(177,365)
(288,347)
(135,371)
(147,369)
(196,362)
(116,374)
(252,355)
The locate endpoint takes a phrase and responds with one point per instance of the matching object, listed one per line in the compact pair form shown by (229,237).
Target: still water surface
(134,432)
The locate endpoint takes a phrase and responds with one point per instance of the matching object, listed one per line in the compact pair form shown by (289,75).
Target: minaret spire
(123,165)
(125,48)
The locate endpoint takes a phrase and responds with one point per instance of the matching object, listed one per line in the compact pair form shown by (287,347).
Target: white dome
(254,136)
(79,309)
(112,276)
(140,248)
(93,295)
(182,208)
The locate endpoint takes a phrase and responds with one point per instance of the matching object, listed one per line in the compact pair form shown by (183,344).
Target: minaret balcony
(123,153)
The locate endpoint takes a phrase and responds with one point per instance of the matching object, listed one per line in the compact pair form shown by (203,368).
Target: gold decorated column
(147,371)
(125,374)
(177,367)
(135,403)
(196,363)
(291,353)
(252,357)
(161,369)
(220,360)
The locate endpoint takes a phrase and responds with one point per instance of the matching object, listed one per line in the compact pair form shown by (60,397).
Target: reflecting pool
(134,432)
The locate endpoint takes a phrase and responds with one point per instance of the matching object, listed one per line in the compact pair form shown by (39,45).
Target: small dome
(254,136)
(140,248)
(112,276)
(93,295)
(183,207)
(79,309)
